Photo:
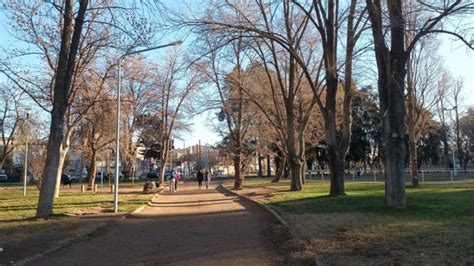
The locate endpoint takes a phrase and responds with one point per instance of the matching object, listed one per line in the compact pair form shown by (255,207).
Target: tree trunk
(92,171)
(62,157)
(164,159)
(335,160)
(391,85)
(446,147)
(48,183)
(260,169)
(294,163)
(239,177)
(411,123)
(70,39)
(59,172)
(280,169)
(336,165)
(296,175)
(269,169)
(413,160)
(412,149)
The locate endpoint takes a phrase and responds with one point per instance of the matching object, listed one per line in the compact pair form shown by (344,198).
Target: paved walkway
(189,227)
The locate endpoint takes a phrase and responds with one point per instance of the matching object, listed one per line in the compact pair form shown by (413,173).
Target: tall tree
(391,65)
(70,41)
(176,80)
(68,36)
(466,127)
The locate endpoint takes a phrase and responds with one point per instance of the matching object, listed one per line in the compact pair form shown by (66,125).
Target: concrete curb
(267,208)
(139,209)
(99,215)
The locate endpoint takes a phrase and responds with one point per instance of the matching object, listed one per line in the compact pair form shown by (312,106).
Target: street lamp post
(25,167)
(117,140)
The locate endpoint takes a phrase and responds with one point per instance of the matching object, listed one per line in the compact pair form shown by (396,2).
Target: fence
(425,175)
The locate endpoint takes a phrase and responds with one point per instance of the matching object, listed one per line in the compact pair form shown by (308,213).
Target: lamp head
(177,42)
(28,112)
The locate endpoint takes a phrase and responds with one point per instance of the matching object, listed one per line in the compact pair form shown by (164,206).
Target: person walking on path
(172,181)
(207,178)
(199,178)
(177,178)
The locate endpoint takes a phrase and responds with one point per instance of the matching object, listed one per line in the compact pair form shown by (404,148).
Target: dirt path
(190,227)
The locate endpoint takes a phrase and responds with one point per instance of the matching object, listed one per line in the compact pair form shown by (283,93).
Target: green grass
(436,226)
(17,213)
(14,207)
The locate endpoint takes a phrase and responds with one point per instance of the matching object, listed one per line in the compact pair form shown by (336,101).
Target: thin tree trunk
(411,123)
(413,157)
(280,169)
(269,169)
(48,182)
(62,157)
(164,159)
(239,177)
(412,143)
(92,171)
(260,168)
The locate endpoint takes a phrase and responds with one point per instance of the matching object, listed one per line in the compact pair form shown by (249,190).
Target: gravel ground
(189,227)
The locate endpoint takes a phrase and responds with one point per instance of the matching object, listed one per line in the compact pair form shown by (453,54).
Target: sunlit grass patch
(16,209)
(435,227)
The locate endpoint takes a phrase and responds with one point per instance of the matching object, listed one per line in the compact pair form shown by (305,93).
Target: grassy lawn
(17,212)
(437,227)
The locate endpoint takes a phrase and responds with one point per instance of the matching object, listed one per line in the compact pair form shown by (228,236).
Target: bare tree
(96,134)
(67,35)
(444,85)
(176,80)
(422,70)
(456,103)
(327,21)
(11,117)
(466,126)
(140,98)
(391,65)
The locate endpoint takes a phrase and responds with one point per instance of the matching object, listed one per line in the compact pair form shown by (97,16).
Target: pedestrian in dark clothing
(207,178)
(199,178)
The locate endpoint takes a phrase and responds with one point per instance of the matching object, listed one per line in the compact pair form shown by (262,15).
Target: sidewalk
(189,227)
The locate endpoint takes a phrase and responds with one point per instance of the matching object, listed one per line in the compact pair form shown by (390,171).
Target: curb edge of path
(139,209)
(96,229)
(267,208)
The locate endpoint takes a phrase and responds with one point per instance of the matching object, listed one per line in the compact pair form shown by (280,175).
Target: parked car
(98,176)
(65,180)
(77,178)
(3,177)
(152,175)
(218,173)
